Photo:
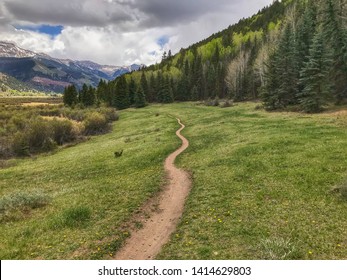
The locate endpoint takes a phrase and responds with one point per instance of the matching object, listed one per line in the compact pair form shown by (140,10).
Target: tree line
(308,68)
(290,54)
(116,94)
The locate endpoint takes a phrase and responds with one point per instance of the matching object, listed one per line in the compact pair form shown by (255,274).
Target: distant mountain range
(45,73)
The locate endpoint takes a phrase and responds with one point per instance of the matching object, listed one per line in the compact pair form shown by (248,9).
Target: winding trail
(146,243)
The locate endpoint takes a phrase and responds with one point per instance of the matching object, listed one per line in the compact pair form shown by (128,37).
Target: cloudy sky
(117,32)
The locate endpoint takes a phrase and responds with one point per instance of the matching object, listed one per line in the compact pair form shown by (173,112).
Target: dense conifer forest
(291,55)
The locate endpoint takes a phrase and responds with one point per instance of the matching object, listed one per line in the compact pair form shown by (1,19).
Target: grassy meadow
(262,187)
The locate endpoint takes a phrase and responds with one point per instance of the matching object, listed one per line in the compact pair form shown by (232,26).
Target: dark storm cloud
(71,12)
(118,31)
(136,14)
(168,13)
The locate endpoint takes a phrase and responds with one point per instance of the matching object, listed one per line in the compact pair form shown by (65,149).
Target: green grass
(260,179)
(262,187)
(92,193)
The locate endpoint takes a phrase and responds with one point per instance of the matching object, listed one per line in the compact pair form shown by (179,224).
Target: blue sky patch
(52,30)
(162,41)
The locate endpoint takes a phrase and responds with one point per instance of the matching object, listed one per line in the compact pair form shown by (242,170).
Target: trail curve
(147,242)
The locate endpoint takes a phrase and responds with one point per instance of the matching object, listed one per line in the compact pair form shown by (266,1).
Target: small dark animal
(118,154)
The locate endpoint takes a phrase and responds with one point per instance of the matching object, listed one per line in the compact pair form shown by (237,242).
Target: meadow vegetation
(265,186)
(33,127)
(90,193)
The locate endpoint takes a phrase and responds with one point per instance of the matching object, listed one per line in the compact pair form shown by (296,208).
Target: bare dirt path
(146,243)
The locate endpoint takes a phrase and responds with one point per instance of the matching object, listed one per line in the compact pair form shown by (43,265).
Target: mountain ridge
(46,73)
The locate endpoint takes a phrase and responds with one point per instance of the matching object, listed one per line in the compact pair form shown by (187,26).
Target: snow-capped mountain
(52,74)
(8,49)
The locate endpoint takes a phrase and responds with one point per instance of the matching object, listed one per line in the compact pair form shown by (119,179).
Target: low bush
(227,104)
(20,146)
(74,114)
(110,114)
(210,102)
(39,136)
(259,107)
(5,148)
(63,131)
(95,123)
(18,122)
(26,130)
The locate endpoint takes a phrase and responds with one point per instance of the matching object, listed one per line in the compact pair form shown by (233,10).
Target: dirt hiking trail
(146,243)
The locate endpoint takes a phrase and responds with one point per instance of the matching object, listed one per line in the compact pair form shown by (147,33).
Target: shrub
(19,122)
(210,102)
(20,146)
(95,123)
(227,103)
(110,114)
(40,136)
(56,112)
(259,107)
(5,148)
(37,137)
(74,114)
(63,131)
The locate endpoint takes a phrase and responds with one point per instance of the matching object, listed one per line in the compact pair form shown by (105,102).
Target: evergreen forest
(291,55)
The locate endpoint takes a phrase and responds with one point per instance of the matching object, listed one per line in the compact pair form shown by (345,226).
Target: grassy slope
(88,175)
(261,186)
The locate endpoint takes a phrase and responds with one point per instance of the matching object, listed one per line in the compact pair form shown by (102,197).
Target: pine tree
(194,93)
(287,69)
(314,77)
(70,97)
(144,84)
(197,78)
(182,89)
(336,37)
(91,96)
(152,89)
(101,91)
(269,92)
(83,95)
(140,99)
(121,98)
(164,57)
(306,30)
(282,77)
(165,94)
(132,91)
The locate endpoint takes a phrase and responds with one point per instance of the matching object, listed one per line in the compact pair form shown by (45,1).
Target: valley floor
(261,187)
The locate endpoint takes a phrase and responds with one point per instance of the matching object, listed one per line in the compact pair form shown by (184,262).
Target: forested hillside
(291,54)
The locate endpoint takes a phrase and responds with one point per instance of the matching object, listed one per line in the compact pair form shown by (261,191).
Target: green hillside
(291,55)
(10,86)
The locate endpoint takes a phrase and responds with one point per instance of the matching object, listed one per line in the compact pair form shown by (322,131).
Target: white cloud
(119,32)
